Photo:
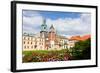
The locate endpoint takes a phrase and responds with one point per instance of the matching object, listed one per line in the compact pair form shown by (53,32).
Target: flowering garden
(45,56)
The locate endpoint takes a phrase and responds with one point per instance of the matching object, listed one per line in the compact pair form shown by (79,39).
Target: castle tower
(43,32)
(52,36)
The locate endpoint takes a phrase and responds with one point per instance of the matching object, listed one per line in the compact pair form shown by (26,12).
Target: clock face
(44,28)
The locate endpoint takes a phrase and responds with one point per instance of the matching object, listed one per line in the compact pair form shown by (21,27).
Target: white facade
(33,43)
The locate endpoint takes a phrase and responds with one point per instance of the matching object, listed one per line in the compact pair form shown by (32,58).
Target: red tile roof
(75,38)
(85,37)
(80,38)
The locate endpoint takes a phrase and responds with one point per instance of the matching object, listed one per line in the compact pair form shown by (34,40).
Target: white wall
(5,36)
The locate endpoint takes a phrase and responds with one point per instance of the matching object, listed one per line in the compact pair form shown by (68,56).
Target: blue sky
(65,23)
(56,15)
(52,15)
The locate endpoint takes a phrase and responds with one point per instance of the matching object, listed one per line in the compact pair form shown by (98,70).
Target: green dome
(44,26)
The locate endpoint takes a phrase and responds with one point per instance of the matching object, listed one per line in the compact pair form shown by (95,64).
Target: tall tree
(82,50)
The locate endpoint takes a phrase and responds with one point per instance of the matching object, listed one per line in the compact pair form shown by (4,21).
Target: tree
(82,50)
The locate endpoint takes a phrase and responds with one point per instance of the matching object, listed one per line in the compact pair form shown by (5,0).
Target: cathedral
(45,40)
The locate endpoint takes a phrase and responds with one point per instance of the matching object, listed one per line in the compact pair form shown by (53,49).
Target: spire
(44,21)
(52,27)
(44,26)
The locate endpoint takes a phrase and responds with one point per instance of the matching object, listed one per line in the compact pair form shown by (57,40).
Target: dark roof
(51,27)
(26,34)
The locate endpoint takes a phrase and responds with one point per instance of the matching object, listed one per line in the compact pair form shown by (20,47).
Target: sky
(65,23)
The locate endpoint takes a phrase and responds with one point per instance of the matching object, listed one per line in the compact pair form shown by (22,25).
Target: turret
(43,32)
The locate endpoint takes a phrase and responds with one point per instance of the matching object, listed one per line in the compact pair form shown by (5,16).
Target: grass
(44,51)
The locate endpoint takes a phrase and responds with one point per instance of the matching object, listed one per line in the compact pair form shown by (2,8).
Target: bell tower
(52,36)
(43,32)
(44,26)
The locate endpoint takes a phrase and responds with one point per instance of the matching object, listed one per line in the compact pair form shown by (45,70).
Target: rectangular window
(24,42)
(28,38)
(31,42)
(31,46)
(27,42)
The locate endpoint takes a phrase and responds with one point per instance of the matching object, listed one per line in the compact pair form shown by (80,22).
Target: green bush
(82,50)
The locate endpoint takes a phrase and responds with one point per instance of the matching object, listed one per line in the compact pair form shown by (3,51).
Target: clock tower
(43,32)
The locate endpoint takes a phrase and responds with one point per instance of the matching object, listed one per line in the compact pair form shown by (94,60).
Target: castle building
(44,40)
(52,36)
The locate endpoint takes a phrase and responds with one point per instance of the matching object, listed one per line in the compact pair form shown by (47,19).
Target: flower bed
(45,56)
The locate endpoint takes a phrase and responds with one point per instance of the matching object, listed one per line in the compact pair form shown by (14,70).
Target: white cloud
(31,22)
(72,26)
(30,13)
(65,26)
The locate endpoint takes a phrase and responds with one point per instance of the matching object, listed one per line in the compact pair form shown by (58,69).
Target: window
(35,46)
(31,42)
(24,38)
(24,42)
(27,46)
(31,46)
(28,38)
(27,42)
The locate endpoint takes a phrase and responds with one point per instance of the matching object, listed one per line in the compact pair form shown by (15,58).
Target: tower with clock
(43,32)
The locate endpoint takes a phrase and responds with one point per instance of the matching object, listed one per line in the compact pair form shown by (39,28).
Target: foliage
(82,50)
